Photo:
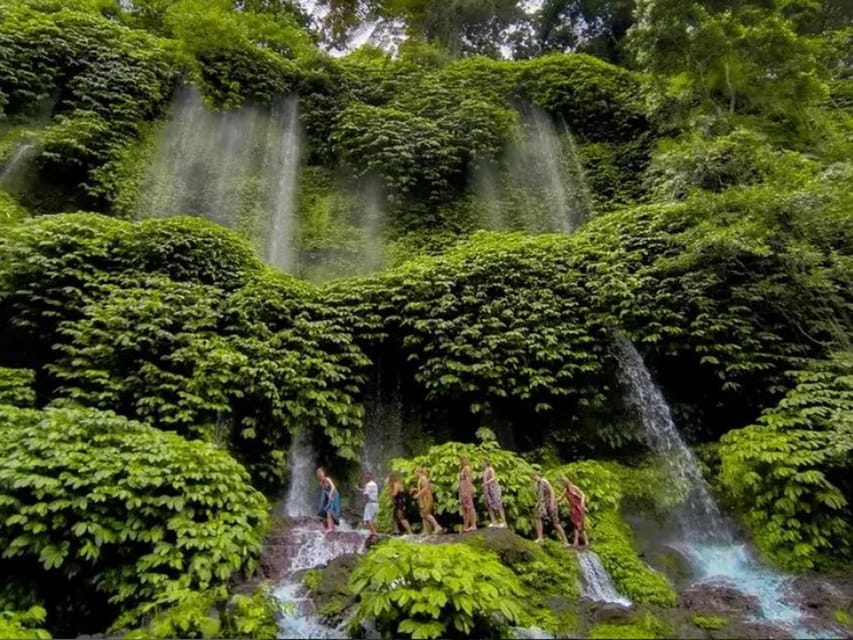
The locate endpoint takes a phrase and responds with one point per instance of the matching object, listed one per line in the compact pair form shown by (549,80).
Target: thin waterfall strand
(596,583)
(700,518)
(283,169)
(303,492)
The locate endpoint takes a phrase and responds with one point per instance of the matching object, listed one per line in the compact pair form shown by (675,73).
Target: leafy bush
(597,100)
(435,591)
(95,499)
(16,387)
(24,624)
(100,79)
(789,474)
(184,613)
(710,623)
(645,626)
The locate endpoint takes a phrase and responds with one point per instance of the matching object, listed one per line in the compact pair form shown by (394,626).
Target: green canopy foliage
(147,509)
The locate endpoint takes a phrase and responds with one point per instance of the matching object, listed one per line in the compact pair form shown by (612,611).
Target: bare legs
(469,519)
(557,527)
(330,524)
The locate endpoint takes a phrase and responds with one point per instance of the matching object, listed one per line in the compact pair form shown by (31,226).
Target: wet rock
(719,598)
(763,630)
(332,596)
(611,613)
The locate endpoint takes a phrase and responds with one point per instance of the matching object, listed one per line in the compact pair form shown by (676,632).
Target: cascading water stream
(13,166)
(211,164)
(285,147)
(700,519)
(595,581)
(302,493)
(706,539)
(311,547)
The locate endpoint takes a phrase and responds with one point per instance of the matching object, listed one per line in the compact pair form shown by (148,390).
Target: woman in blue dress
(330,501)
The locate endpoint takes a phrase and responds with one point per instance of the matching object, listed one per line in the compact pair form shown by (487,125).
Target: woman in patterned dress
(466,496)
(492,495)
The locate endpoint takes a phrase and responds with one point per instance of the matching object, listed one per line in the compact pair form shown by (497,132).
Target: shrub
(24,624)
(98,500)
(16,387)
(645,626)
(598,101)
(789,474)
(709,623)
(435,591)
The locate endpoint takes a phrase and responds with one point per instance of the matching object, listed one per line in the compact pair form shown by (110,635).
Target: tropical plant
(99,501)
(789,474)
(435,591)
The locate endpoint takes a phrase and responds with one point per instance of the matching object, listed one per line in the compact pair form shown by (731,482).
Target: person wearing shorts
(370,490)
(546,507)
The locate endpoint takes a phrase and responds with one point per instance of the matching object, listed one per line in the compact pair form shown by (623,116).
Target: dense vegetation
(155,372)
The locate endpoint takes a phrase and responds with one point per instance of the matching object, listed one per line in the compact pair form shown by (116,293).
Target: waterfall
(14,165)
(201,162)
(303,493)
(310,547)
(700,518)
(582,203)
(543,187)
(238,169)
(282,173)
(383,425)
(595,581)
(372,226)
(706,541)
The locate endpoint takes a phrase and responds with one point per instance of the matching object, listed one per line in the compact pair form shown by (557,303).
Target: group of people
(547,503)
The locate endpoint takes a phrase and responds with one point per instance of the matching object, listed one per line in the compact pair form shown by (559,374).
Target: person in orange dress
(577,509)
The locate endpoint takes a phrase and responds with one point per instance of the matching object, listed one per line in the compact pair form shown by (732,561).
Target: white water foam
(596,583)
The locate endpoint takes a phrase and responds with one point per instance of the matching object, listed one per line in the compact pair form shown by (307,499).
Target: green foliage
(442,462)
(605,485)
(253,616)
(435,591)
(709,623)
(746,59)
(24,624)
(212,613)
(128,509)
(10,211)
(213,347)
(99,80)
(16,387)
(597,100)
(789,474)
(645,626)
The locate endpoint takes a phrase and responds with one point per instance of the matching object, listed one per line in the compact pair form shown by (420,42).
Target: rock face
(719,598)
(297,544)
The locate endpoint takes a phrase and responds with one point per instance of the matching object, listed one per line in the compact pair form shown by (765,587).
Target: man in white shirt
(371,506)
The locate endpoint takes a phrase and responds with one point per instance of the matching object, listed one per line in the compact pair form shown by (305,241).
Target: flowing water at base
(713,552)
(595,581)
(734,565)
(310,547)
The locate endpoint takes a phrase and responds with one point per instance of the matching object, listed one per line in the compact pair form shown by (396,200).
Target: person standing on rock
(398,499)
(546,507)
(423,494)
(577,509)
(370,490)
(466,496)
(492,495)
(330,501)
